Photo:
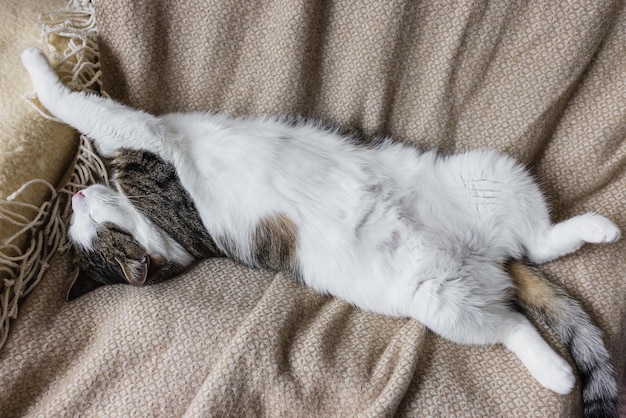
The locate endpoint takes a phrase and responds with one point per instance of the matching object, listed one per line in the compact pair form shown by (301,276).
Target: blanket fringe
(71,37)
(76,55)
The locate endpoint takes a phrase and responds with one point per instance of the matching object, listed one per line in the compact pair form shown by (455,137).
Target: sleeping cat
(386,227)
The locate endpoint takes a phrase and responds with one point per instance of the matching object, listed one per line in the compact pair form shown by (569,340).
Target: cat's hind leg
(474,309)
(110,124)
(545,365)
(548,242)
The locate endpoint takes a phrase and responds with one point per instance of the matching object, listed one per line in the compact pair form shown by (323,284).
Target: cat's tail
(573,326)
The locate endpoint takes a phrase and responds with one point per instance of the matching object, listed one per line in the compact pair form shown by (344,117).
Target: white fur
(387,228)
(97,205)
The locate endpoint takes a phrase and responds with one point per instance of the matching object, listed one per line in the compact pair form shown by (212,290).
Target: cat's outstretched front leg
(110,124)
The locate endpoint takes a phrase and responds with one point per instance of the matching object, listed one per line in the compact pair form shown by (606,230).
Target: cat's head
(113,242)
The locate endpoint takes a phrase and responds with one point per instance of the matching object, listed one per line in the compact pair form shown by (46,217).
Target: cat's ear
(81,284)
(137,273)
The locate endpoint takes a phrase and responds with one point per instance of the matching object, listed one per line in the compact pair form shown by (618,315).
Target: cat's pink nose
(79,195)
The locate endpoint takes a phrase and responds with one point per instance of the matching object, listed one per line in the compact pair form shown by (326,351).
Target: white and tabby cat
(386,227)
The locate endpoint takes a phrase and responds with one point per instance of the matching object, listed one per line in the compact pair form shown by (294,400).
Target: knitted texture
(543,82)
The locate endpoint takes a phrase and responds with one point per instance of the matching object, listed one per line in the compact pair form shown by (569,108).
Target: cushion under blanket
(30,147)
(543,81)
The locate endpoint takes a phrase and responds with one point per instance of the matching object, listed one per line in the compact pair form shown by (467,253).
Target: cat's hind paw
(556,376)
(597,229)
(34,59)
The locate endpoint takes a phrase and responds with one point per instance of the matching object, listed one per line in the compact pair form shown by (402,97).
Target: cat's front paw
(597,229)
(34,59)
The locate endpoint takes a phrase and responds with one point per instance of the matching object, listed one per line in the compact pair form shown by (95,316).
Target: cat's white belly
(375,260)
(402,246)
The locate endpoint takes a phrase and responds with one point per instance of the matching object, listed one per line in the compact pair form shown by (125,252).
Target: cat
(384,226)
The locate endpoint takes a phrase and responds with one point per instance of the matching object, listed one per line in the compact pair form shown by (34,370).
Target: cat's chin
(79,203)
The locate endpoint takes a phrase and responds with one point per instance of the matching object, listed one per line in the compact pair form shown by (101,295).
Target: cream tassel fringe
(71,38)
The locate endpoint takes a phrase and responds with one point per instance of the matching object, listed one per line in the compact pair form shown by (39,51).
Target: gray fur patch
(275,243)
(155,189)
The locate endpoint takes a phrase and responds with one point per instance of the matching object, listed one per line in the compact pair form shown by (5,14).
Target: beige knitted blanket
(544,81)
